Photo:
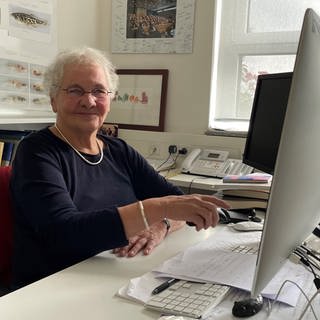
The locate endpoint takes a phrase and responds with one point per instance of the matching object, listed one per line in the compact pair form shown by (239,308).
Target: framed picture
(140,101)
(140,26)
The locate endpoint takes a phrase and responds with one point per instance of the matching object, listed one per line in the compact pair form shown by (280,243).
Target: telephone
(213,163)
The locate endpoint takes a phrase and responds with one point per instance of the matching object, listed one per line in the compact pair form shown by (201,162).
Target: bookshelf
(9,140)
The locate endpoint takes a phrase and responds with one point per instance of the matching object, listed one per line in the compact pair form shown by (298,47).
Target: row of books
(9,140)
(245,192)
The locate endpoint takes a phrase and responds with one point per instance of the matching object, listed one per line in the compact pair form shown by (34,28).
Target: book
(247,178)
(247,193)
(7,153)
(13,137)
(243,203)
(243,186)
(1,149)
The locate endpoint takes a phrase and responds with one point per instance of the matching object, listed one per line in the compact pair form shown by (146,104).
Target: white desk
(86,290)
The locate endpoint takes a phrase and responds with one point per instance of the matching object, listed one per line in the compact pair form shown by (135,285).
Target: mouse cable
(316,279)
(305,295)
(309,305)
(304,259)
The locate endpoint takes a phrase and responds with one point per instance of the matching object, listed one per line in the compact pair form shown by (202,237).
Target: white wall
(189,74)
(88,22)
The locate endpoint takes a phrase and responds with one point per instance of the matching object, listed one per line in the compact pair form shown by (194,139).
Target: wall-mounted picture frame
(140,26)
(140,101)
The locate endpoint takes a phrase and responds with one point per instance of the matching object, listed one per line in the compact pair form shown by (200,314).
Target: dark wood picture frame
(145,108)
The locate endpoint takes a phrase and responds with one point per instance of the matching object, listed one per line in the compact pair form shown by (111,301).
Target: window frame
(226,73)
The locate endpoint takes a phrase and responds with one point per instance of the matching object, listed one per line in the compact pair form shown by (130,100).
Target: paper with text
(216,260)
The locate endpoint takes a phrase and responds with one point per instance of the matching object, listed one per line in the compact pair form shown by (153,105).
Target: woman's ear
(53,104)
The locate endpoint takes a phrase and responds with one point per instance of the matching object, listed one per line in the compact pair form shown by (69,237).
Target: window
(251,37)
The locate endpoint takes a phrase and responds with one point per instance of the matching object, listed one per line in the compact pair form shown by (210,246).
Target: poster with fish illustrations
(28,41)
(30,24)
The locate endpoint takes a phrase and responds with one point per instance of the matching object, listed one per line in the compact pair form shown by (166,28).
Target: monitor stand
(248,307)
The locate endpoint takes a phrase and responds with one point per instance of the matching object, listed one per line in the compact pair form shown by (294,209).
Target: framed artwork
(140,26)
(140,101)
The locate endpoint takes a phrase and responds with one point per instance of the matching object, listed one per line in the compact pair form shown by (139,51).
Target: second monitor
(267,116)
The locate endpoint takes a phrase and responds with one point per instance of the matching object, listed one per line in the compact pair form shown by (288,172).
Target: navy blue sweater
(66,209)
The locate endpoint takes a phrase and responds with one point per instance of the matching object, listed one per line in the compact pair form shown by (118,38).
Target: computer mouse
(224,217)
(248,226)
(247,308)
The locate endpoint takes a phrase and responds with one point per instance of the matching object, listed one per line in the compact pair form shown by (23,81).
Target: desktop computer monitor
(294,204)
(266,121)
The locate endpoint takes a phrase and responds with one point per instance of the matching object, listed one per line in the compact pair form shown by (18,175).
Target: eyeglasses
(77,92)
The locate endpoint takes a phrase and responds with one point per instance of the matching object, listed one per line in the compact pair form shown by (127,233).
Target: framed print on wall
(140,101)
(144,26)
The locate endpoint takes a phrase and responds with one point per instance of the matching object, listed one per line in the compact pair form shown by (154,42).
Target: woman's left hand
(144,241)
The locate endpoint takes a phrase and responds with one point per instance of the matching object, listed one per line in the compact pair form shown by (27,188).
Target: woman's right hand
(200,210)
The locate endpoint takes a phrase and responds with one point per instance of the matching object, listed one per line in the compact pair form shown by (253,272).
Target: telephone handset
(213,163)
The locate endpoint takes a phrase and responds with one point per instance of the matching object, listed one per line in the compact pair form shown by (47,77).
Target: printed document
(218,260)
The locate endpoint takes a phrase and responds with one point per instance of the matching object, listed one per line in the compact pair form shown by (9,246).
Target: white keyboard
(245,249)
(188,299)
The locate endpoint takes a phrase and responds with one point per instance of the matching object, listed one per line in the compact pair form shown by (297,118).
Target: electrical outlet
(172,149)
(154,150)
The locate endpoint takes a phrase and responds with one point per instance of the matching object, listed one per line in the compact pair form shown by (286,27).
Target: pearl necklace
(79,153)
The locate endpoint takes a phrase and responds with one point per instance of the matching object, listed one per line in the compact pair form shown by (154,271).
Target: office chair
(6,229)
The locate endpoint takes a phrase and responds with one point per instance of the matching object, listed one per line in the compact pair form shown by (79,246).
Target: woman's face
(86,112)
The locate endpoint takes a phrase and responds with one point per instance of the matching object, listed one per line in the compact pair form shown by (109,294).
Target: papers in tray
(241,195)
(247,193)
(239,186)
(238,202)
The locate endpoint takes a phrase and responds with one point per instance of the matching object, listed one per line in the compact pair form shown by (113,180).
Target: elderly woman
(77,193)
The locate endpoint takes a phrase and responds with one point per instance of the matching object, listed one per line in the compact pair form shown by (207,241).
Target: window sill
(226,133)
(229,128)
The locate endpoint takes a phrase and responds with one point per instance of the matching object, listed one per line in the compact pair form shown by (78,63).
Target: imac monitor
(266,121)
(294,204)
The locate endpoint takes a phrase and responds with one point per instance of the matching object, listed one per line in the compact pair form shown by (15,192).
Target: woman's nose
(88,100)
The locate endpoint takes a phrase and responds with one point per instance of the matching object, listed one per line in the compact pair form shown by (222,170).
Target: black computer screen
(267,116)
